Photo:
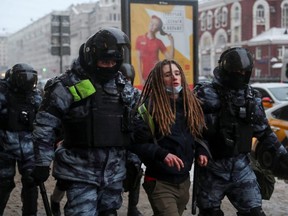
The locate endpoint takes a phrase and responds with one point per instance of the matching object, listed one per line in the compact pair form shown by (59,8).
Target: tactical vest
(103,122)
(21,112)
(234,123)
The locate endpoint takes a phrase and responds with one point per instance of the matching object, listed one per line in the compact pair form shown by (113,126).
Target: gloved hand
(40,174)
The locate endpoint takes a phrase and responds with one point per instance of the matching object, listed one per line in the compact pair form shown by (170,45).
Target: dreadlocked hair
(159,101)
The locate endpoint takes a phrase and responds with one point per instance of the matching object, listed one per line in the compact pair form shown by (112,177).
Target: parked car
(272,93)
(278,120)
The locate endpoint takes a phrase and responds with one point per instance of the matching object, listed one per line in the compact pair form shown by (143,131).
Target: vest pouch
(229,143)
(77,132)
(244,134)
(21,113)
(107,132)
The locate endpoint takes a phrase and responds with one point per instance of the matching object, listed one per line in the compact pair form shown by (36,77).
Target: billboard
(158,30)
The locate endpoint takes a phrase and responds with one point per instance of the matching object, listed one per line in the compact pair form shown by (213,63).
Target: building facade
(258,25)
(3,55)
(33,44)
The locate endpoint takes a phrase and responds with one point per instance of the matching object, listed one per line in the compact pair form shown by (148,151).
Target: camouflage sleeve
(208,96)
(55,104)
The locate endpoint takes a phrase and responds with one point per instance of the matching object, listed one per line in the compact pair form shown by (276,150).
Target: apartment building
(259,25)
(3,55)
(34,43)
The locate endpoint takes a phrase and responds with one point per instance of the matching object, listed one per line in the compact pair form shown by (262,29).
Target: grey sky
(16,14)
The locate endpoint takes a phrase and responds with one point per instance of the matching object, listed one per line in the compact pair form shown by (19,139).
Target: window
(280,53)
(257,72)
(209,20)
(281,113)
(258,53)
(217,18)
(285,15)
(260,14)
(203,21)
(224,17)
(236,34)
(236,14)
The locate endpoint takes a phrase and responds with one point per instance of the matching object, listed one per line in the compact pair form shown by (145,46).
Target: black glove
(40,174)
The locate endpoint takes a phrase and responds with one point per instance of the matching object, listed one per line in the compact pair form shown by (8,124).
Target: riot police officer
(19,102)
(234,114)
(91,102)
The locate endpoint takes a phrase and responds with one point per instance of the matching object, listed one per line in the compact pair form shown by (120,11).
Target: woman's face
(171,78)
(154,25)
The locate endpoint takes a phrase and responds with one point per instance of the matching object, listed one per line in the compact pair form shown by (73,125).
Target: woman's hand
(202,160)
(172,160)
(171,38)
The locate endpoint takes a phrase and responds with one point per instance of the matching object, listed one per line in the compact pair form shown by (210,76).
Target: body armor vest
(102,122)
(234,123)
(20,114)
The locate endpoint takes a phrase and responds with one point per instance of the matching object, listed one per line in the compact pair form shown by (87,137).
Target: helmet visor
(237,60)
(26,81)
(111,54)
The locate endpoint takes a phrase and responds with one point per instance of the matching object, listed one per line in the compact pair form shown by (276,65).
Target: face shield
(235,68)
(25,81)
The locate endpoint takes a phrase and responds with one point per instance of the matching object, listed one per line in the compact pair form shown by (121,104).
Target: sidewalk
(276,206)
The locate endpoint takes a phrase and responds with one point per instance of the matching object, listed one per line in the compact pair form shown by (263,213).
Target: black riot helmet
(128,71)
(106,44)
(23,77)
(235,68)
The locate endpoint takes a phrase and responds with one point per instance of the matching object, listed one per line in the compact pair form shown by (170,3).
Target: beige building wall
(32,44)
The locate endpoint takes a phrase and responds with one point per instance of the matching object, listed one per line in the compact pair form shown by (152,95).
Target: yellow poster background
(139,22)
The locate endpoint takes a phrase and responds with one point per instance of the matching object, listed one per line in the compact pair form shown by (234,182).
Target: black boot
(133,201)
(111,212)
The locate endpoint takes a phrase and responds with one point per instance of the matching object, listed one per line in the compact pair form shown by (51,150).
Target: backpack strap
(142,110)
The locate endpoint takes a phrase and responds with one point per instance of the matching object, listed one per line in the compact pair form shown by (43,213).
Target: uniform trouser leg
(29,194)
(88,200)
(6,186)
(29,199)
(133,199)
(56,198)
(7,173)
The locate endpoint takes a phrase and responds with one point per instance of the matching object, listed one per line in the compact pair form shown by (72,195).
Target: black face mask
(104,74)
(235,81)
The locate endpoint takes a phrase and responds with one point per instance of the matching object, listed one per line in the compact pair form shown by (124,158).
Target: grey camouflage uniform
(17,147)
(230,176)
(96,172)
